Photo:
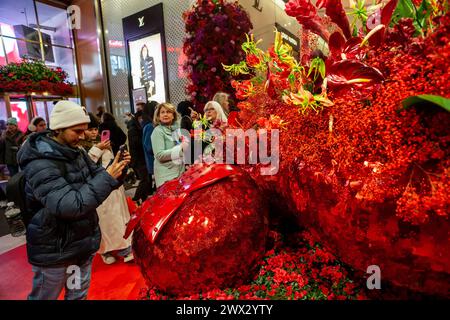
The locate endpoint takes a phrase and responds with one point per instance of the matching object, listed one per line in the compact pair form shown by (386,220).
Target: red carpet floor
(119,281)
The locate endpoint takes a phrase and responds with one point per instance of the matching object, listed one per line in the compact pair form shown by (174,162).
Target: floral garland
(34,76)
(215,31)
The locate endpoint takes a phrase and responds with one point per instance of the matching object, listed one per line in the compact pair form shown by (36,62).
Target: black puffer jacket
(64,229)
(135,144)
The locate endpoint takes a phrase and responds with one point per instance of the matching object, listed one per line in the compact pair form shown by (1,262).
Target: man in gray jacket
(63,234)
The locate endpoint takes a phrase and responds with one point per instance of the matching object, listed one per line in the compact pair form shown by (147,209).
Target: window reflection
(64,59)
(3,112)
(17,49)
(2,54)
(53,21)
(17,13)
(18,23)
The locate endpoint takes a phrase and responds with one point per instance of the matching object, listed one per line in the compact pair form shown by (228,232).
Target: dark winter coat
(9,146)
(135,145)
(64,229)
(148,149)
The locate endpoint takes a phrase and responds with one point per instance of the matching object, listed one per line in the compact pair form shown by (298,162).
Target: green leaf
(426,99)
(322,69)
(424,13)
(405,9)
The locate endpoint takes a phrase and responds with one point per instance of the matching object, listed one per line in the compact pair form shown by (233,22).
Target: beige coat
(113,213)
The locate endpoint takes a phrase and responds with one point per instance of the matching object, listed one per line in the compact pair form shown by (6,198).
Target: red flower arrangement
(216,29)
(368,177)
(34,76)
(294,267)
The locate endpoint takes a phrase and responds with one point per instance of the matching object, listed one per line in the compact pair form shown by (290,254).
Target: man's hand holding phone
(121,160)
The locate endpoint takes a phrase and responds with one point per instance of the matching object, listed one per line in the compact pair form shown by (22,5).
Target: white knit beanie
(66,114)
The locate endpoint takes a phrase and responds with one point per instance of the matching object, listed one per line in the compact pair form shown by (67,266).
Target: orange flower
(253,60)
(244,89)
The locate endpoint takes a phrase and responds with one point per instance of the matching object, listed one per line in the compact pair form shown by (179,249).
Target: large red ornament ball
(213,240)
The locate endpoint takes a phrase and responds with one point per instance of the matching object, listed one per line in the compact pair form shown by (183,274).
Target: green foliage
(426,100)
(34,70)
(422,15)
(317,67)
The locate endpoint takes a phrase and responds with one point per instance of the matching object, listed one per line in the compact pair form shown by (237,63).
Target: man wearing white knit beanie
(63,189)
(69,120)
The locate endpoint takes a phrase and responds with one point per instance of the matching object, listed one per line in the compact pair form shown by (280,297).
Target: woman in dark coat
(137,157)
(117,136)
(10,142)
(147,130)
(185,108)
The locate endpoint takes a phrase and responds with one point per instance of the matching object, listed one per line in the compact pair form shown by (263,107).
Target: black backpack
(15,192)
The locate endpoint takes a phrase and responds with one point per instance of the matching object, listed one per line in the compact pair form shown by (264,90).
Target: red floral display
(294,267)
(365,175)
(34,76)
(214,239)
(216,31)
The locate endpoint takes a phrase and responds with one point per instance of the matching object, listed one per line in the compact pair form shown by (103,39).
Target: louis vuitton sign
(147,21)
(145,45)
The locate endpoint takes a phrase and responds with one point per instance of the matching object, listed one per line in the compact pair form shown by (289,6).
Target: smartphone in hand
(105,135)
(122,149)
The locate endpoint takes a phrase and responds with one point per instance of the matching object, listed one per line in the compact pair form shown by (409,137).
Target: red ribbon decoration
(157,210)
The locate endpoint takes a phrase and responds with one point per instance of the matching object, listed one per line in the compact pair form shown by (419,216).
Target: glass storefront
(33,29)
(113,11)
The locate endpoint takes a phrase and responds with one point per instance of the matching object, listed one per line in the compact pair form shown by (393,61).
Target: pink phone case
(105,135)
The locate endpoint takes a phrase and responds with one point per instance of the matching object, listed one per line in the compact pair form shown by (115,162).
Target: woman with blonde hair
(214,118)
(214,112)
(222,99)
(166,144)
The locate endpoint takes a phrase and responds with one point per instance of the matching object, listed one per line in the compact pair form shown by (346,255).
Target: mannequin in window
(147,71)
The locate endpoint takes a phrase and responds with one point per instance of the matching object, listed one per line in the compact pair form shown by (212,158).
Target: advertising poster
(147,69)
